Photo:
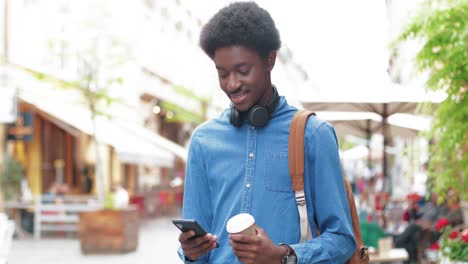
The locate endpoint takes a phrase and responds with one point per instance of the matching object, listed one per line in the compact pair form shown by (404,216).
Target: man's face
(244,76)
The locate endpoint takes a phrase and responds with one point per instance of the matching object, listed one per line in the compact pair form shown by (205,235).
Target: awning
(62,108)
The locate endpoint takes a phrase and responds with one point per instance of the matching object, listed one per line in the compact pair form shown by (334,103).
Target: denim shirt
(245,170)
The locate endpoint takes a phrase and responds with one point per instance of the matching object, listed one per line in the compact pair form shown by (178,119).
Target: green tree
(442,27)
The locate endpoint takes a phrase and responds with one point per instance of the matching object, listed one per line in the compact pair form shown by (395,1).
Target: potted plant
(11,178)
(114,229)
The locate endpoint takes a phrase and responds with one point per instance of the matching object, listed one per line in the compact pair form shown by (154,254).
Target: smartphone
(189,224)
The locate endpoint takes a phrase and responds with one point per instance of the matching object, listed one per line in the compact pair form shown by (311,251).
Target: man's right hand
(195,248)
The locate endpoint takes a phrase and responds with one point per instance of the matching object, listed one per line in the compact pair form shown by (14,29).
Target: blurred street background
(158,243)
(99,98)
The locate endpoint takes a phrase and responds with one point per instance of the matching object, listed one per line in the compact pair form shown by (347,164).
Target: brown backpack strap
(296,148)
(296,169)
(354,216)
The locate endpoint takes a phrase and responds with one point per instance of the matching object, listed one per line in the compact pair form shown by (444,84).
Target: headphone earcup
(258,116)
(235,117)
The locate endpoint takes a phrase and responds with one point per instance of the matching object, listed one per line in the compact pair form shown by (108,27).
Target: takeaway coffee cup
(241,224)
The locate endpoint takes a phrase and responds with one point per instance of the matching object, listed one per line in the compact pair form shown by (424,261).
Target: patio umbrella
(365,124)
(385,103)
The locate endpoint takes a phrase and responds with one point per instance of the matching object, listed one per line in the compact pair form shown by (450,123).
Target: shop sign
(23,128)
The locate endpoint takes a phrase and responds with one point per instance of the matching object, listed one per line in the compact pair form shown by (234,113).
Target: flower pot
(109,231)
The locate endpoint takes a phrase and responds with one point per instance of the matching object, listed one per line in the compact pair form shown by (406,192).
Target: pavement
(158,243)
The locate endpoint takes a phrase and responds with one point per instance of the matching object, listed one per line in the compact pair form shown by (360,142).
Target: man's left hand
(257,249)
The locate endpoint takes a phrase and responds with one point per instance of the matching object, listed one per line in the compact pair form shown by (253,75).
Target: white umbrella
(364,124)
(394,99)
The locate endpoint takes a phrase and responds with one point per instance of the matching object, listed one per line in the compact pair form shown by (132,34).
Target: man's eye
(244,71)
(222,75)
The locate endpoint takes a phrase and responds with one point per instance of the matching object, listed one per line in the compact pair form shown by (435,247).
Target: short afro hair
(241,23)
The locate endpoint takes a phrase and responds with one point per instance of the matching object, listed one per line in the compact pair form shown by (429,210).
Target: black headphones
(258,116)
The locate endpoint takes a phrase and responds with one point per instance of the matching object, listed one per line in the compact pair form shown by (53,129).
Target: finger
(259,230)
(192,243)
(246,260)
(202,249)
(244,256)
(186,235)
(240,238)
(239,246)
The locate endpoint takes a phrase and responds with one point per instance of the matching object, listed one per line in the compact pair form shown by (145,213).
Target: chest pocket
(276,172)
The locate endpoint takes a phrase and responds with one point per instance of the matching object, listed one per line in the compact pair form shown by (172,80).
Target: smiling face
(244,75)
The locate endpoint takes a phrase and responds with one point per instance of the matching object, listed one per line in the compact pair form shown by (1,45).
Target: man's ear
(271,59)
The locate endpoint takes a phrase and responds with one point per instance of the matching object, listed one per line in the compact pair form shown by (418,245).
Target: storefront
(60,149)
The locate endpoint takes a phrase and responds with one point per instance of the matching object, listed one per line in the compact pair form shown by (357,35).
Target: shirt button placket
(251,144)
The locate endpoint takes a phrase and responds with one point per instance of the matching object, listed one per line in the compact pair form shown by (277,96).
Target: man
(421,233)
(238,162)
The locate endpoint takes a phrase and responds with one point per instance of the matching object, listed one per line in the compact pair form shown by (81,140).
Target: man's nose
(233,83)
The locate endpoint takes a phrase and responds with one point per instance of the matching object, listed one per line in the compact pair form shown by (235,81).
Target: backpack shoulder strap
(296,170)
(296,148)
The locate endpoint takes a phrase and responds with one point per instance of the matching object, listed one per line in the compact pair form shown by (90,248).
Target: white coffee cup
(241,224)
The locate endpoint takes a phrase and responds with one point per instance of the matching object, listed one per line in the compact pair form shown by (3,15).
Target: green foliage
(109,201)
(442,26)
(181,114)
(10,179)
(455,249)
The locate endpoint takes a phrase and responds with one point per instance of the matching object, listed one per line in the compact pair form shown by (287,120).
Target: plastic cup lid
(239,223)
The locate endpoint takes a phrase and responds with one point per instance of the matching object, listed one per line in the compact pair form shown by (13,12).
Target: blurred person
(360,184)
(421,232)
(432,211)
(419,181)
(26,194)
(87,183)
(238,162)
(413,212)
(163,202)
(120,196)
(455,211)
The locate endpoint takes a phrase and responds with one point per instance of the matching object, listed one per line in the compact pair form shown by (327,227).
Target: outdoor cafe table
(394,255)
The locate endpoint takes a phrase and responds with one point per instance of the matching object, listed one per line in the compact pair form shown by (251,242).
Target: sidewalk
(157,244)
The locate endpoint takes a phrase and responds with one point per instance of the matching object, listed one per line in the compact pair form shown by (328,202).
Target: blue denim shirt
(245,170)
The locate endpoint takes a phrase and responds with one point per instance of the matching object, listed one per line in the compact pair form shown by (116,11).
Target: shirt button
(251,155)
(247,185)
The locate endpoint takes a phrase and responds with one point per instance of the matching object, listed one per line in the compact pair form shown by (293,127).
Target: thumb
(259,230)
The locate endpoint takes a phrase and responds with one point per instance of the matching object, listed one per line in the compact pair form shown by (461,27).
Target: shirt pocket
(276,172)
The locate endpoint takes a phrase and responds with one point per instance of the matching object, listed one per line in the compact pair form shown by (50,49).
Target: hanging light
(156,109)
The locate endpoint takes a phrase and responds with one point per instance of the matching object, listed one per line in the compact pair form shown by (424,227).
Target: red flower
(443,222)
(464,235)
(453,235)
(435,246)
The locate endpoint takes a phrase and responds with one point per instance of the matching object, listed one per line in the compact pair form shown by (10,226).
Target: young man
(238,162)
